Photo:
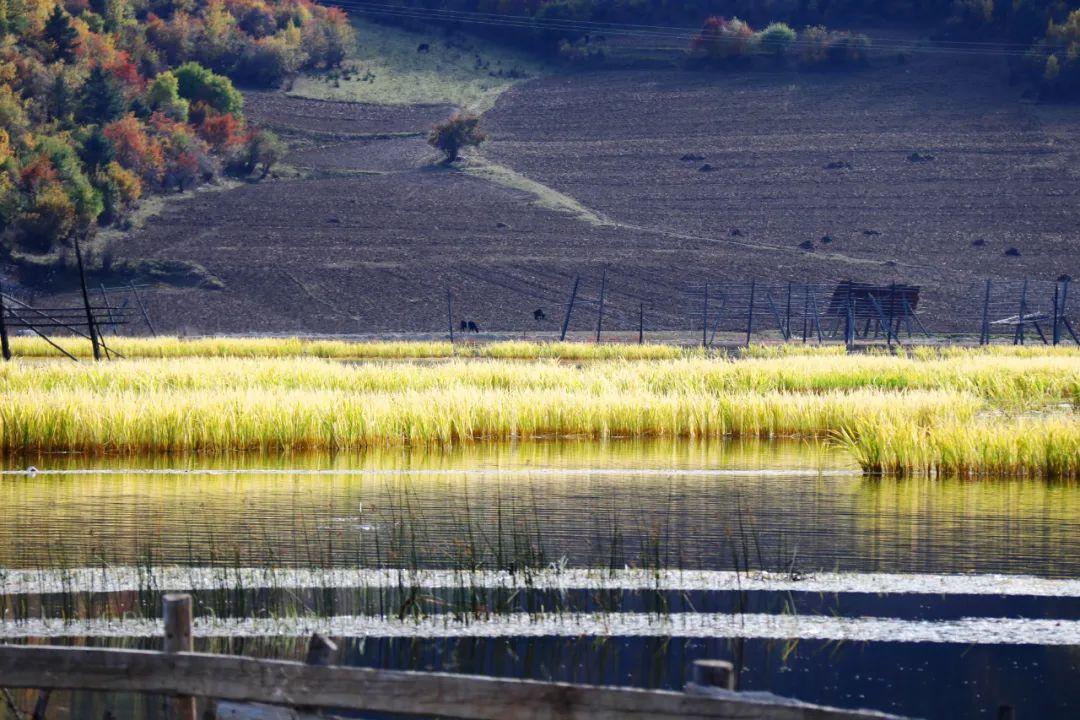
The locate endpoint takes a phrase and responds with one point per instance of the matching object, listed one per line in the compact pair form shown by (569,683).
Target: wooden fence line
(184,675)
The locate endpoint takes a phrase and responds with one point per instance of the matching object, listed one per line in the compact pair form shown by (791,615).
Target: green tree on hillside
(198,84)
(61,35)
(97,150)
(102,98)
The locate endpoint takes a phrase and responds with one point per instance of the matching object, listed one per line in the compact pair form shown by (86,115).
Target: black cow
(473,327)
(538,314)
(423,48)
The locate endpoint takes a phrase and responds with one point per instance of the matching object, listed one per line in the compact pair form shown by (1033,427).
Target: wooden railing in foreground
(235,679)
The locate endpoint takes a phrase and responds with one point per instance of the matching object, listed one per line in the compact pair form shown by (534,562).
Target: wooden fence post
(109,319)
(5,345)
(787,315)
(705,317)
(450,315)
(600,312)
(1018,336)
(714,674)
(641,324)
(1055,332)
(984,334)
(849,319)
(86,300)
(750,314)
(569,309)
(177,612)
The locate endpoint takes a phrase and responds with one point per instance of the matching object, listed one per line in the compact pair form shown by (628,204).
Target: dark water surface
(794,508)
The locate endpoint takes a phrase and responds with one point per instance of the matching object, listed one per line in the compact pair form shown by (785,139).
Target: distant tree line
(105,101)
(1050,29)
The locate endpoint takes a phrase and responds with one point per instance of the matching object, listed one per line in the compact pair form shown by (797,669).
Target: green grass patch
(388,69)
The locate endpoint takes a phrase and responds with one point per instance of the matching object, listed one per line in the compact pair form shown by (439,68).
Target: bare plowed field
(585,171)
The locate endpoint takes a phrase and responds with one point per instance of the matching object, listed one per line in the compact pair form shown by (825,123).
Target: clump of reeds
(1030,446)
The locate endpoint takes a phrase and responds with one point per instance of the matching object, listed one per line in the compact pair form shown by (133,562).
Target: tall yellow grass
(1039,446)
(1005,380)
(960,413)
(293,347)
(260,419)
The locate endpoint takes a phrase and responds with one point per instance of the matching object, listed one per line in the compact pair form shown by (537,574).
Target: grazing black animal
(692,157)
(826,239)
(978,242)
(473,327)
(538,314)
(464,326)
(735,232)
(706,168)
(917,157)
(806,245)
(870,233)
(838,165)
(1013,252)
(423,48)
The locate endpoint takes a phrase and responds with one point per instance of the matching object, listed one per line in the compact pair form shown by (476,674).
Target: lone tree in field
(461,130)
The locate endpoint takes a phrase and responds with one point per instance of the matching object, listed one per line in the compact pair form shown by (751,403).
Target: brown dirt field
(372,234)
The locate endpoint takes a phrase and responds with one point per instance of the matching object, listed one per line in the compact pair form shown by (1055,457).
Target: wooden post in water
(600,312)
(714,673)
(750,314)
(569,309)
(5,345)
(177,611)
(86,300)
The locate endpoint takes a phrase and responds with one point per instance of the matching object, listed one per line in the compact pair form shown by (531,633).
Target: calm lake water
(859,604)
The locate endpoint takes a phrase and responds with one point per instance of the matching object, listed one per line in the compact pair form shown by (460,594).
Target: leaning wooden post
(641,324)
(5,345)
(142,308)
(109,319)
(450,315)
(600,312)
(750,314)
(714,674)
(569,309)
(86,300)
(177,612)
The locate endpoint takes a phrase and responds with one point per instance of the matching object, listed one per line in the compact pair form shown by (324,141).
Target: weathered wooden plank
(244,679)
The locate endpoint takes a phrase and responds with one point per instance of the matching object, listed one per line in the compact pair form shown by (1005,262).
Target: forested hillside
(105,101)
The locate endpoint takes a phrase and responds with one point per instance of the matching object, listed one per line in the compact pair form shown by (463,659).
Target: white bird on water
(31,471)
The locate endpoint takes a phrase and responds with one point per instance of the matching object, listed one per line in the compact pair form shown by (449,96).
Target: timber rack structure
(87,319)
(248,688)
